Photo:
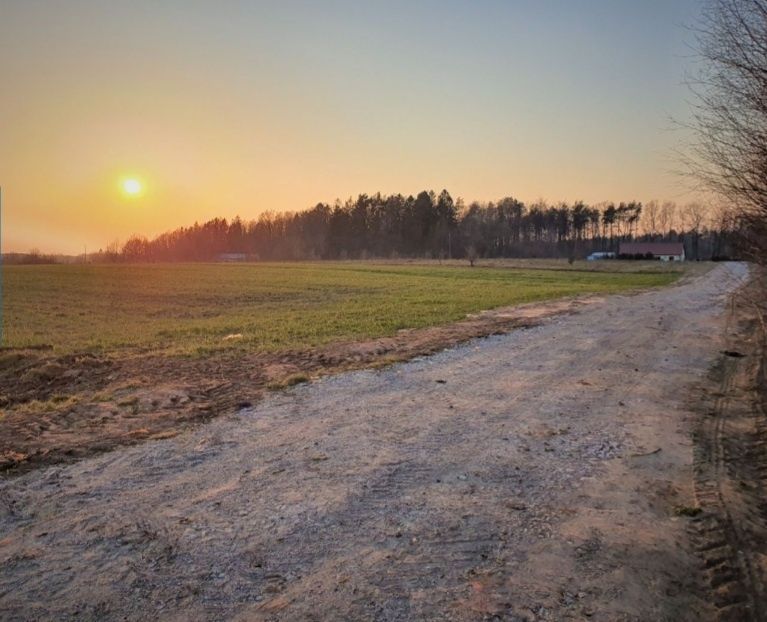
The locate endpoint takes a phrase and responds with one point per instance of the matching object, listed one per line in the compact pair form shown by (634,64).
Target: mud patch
(36,374)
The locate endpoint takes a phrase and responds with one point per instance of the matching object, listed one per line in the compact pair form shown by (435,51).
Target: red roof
(656,248)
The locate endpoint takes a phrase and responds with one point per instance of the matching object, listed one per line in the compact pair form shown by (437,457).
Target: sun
(132,186)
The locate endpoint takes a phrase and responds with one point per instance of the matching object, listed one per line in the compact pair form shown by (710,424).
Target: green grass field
(191,308)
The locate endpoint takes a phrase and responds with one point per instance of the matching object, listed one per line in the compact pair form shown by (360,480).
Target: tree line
(433,225)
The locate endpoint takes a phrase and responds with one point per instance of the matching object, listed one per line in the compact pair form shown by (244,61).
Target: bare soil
(555,473)
(63,408)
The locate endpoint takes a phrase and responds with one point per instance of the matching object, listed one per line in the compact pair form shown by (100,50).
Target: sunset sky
(224,108)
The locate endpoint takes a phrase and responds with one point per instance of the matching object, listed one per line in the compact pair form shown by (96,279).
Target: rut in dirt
(731,477)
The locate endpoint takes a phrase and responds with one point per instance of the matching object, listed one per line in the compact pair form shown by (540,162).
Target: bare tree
(693,217)
(112,252)
(650,217)
(730,111)
(667,217)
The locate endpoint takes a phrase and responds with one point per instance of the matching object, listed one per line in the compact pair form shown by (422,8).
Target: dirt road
(540,475)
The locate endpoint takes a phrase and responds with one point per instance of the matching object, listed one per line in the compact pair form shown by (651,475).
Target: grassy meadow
(190,309)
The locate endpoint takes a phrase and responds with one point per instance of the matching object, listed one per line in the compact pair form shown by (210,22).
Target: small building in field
(232,257)
(599,255)
(665,251)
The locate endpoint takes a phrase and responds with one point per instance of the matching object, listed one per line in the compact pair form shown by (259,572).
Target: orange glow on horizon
(97,147)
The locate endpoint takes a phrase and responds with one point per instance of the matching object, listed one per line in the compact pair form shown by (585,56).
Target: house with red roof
(665,251)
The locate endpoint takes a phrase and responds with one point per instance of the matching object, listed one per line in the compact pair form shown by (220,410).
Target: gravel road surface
(531,476)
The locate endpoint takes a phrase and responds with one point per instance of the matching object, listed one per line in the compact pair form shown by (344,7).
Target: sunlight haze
(226,108)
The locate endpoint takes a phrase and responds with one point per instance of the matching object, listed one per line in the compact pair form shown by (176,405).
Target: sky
(224,108)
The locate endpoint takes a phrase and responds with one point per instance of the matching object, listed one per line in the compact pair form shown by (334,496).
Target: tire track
(730,469)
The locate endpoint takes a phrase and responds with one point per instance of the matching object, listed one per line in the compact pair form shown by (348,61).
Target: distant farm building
(596,256)
(665,251)
(232,257)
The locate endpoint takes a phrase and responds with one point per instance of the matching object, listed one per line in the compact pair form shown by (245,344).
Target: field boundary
(69,407)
